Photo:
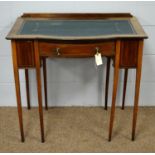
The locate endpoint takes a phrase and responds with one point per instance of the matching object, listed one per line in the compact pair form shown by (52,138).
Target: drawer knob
(58,51)
(97,50)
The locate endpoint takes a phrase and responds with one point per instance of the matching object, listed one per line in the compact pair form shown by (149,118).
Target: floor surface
(77,129)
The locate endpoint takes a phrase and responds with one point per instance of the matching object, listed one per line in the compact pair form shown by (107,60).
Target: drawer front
(25,54)
(76,50)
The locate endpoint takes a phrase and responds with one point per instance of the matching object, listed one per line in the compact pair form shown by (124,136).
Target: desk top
(76,27)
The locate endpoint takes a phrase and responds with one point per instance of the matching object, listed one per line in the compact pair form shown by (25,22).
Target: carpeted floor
(77,130)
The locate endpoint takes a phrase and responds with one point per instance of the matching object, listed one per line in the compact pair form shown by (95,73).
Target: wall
(77,82)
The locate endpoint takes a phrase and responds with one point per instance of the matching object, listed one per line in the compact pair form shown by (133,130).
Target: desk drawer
(75,50)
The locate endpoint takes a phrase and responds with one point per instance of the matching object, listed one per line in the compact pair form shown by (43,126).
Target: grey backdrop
(77,82)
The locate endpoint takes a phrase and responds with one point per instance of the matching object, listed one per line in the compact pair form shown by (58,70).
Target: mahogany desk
(117,36)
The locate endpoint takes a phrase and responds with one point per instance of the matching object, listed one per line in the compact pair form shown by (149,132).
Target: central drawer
(51,49)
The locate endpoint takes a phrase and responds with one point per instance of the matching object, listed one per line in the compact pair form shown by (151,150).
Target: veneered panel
(129,53)
(25,54)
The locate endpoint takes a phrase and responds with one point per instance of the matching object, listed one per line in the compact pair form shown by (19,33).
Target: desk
(116,35)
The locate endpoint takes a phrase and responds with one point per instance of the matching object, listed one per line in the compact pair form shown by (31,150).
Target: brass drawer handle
(97,50)
(58,51)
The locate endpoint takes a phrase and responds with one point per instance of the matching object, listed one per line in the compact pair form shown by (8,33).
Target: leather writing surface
(76,27)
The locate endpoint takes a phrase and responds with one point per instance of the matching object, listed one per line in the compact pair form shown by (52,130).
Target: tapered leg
(107,82)
(137,88)
(27,88)
(45,82)
(38,76)
(124,87)
(115,83)
(17,85)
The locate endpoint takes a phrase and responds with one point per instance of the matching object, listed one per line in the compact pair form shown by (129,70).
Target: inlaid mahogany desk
(117,36)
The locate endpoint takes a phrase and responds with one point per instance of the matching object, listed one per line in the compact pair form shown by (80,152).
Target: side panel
(129,53)
(25,54)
